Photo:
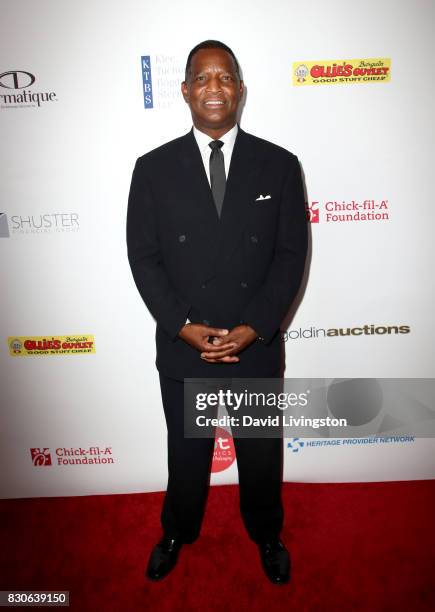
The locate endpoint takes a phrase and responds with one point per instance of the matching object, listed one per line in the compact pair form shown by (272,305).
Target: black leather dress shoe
(276,561)
(163,558)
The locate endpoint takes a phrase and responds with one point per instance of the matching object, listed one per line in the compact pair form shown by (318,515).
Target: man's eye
(200,78)
(227,77)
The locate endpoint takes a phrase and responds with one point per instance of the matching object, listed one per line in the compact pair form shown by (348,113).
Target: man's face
(213,91)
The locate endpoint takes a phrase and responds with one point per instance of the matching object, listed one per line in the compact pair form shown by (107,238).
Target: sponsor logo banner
(313,332)
(344,71)
(161,80)
(4,227)
(147,81)
(348,211)
(46,223)
(93,455)
(14,92)
(40,456)
(224,452)
(297,444)
(22,346)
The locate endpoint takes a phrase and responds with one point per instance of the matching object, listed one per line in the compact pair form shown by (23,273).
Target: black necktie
(217,174)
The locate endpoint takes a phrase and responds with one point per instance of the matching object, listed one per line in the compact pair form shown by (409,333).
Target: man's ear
(242,88)
(184,91)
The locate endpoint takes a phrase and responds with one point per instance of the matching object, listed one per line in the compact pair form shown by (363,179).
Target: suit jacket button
(244,285)
(182,238)
(254,239)
(203,286)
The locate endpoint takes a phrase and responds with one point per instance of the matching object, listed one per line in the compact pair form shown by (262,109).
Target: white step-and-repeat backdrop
(88,86)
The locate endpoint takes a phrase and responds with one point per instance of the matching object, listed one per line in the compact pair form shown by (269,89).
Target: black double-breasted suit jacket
(244,267)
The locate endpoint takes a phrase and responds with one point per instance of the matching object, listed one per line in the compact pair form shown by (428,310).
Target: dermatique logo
(310,333)
(14,90)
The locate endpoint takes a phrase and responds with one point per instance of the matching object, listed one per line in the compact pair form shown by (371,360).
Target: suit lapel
(223,235)
(195,184)
(241,183)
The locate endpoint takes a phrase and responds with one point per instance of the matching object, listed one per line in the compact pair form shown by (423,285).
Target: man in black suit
(217,240)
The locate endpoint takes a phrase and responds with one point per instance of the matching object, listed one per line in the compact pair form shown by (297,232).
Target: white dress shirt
(203,141)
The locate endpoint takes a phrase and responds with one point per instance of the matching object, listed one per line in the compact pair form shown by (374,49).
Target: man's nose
(214,85)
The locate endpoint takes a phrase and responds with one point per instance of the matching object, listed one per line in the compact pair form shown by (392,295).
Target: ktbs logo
(40,456)
(147,81)
(161,78)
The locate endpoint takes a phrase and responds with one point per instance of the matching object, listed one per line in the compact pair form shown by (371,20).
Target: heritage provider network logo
(345,211)
(331,72)
(295,445)
(23,346)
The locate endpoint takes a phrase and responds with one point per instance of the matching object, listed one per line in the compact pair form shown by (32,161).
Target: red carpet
(353,546)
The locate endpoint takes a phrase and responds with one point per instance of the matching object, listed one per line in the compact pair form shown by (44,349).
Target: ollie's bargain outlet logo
(345,211)
(23,346)
(94,455)
(342,71)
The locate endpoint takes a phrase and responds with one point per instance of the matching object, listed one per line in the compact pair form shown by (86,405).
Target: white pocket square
(262,197)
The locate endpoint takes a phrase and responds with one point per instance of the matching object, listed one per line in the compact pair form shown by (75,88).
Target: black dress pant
(259,462)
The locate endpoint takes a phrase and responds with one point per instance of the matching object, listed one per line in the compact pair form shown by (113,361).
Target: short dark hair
(210,44)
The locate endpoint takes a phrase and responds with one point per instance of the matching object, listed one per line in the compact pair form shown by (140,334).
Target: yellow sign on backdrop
(23,346)
(330,72)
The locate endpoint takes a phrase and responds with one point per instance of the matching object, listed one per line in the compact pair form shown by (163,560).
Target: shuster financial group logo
(47,223)
(15,92)
(4,227)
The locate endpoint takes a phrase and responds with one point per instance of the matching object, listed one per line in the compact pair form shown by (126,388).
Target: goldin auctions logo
(19,81)
(335,332)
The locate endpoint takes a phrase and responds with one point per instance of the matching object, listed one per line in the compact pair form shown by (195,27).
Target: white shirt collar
(228,139)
